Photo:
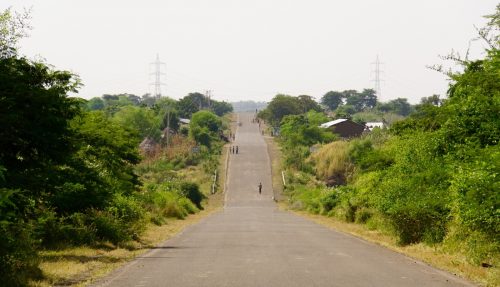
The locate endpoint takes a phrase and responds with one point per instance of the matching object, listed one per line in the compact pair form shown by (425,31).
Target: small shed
(184,121)
(344,127)
(148,145)
(371,125)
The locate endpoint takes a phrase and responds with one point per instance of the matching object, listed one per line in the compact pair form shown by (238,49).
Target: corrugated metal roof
(332,123)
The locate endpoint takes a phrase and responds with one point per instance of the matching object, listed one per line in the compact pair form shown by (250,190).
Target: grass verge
(80,266)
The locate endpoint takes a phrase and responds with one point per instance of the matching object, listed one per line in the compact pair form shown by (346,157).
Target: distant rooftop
(332,123)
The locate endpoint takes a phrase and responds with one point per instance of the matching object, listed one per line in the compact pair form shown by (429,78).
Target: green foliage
(18,259)
(281,106)
(433,177)
(361,101)
(13,27)
(307,103)
(139,119)
(95,104)
(398,106)
(221,108)
(205,128)
(475,187)
(195,102)
(332,100)
(192,191)
(31,142)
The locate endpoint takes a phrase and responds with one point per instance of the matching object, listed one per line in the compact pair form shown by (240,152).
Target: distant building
(148,145)
(344,128)
(371,125)
(184,121)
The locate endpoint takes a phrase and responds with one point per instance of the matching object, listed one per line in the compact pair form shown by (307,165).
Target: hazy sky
(253,49)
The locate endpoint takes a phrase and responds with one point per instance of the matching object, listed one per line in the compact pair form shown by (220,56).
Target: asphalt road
(252,243)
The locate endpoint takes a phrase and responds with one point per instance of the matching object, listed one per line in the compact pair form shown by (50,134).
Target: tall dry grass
(331,162)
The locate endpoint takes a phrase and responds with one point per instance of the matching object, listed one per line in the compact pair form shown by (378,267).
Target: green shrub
(475,186)
(54,231)
(328,201)
(363,215)
(192,191)
(415,222)
(18,256)
(110,228)
(188,205)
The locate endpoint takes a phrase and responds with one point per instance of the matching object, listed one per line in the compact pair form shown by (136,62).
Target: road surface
(252,243)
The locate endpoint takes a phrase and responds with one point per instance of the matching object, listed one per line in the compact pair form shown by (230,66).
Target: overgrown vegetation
(71,172)
(431,178)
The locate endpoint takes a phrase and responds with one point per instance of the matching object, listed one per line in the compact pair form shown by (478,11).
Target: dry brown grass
(435,256)
(331,159)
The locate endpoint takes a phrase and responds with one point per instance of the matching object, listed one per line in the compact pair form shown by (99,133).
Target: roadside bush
(366,157)
(109,228)
(475,188)
(55,232)
(188,205)
(164,201)
(328,200)
(415,222)
(192,191)
(347,207)
(18,258)
(307,198)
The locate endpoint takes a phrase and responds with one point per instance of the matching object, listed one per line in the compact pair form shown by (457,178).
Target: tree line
(71,172)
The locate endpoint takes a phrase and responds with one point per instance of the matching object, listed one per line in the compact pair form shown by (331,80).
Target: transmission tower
(208,94)
(157,74)
(377,79)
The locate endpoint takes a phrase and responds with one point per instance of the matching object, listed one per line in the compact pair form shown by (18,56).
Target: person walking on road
(236,149)
(260,187)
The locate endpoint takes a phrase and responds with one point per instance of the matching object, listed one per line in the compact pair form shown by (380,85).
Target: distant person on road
(260,187)
(236,149)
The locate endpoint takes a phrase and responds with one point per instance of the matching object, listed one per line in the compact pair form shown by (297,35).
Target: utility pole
(168,124)
(158,65)
(377,79)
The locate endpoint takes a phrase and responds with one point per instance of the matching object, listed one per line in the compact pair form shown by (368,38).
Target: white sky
(253,49)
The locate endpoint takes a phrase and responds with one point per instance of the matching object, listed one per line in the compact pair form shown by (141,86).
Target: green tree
(142,120)
(398,106)
(280,106)
(221,108)
(190,104)
(307,103)
(95,104)
(361,101)
(35,140)
(205,127)
(332,100)
(13,27)
(166,111)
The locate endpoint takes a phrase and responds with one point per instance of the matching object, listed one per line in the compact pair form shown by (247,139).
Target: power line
(158,73)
